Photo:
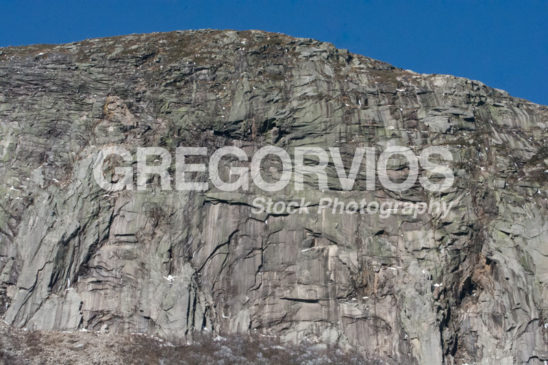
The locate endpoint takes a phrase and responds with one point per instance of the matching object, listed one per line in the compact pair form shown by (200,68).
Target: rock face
(470,287)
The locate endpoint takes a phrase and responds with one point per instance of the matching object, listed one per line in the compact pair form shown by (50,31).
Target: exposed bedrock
(470,287)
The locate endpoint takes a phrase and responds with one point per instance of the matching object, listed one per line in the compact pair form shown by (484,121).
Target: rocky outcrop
(470,287)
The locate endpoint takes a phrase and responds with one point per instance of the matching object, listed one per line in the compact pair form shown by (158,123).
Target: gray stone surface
(468,288)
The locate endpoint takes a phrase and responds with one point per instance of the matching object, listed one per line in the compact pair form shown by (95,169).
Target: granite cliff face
(471,287)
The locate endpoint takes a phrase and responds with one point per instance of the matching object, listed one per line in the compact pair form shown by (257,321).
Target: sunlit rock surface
(471,287)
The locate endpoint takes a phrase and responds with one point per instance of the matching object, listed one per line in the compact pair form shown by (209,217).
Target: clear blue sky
(502,43)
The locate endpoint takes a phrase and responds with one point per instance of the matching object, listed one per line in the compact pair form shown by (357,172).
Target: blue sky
(501,43)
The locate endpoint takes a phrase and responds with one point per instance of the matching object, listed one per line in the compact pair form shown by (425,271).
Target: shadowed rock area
(470,287)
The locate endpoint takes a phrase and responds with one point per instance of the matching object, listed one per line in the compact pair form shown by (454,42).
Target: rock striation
(470,287)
